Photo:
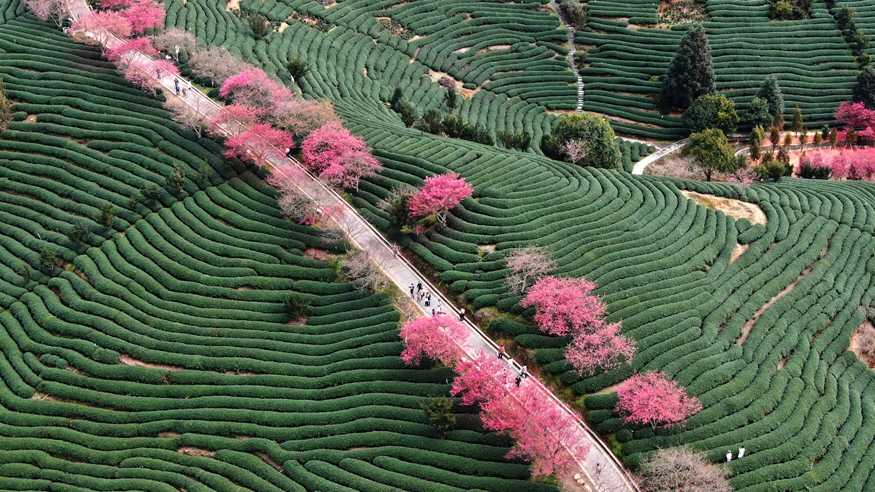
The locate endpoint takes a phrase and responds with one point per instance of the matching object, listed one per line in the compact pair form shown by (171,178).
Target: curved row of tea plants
(159,354)
(758,340)
(752,337)
(814,65)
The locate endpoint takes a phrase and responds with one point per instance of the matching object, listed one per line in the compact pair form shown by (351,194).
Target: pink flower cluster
(145,73)
(564,306)
(142,45)
(111,22)
(338,156)
(255,88)
(652,399)
(439,194)
(542,432)
(857,163)
(124,17)
(259,144)
(567,306)
(436,337)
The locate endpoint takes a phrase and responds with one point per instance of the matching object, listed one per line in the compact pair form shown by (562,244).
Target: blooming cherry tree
(145,74)
(142,45)
(438,195)
(482,379)
(435,337)
(253,87)
(258,144)
(45,10)
(234,116)
(603,349)
(338,156)
(527,265)
(564,306)
(652,399)
(144,15)
(855,115)
(97,22)
(542,432)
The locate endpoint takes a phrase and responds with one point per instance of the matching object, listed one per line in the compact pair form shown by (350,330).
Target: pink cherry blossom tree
(482,379)
(855,115)
(142,74)
(542,432)
(253,87)
(438,195)
(144,15)
(48,10)
(575,149)
(603,349)
(435,337)
(338,156)
(564,306)
(652,399)
(101,22)
(527,266)
(141,45)
(258,144)
(234,117)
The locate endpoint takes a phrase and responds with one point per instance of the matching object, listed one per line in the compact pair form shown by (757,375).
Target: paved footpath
(641,165)
(598,467)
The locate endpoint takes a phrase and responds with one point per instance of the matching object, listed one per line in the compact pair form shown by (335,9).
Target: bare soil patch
(737,252)
(745,330)
(190,451)
(736,209)
(267,459)
(494,48)
(232,6)
(31,118)
(130,361)
(862,343)
(317,254)
(486,248)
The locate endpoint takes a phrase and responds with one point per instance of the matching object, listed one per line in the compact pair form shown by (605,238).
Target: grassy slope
(195,286)
(789,391)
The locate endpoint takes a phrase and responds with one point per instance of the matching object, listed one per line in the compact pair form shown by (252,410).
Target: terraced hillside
(158,355)
(761,339)
(755,320)
(626,54)
(508,56)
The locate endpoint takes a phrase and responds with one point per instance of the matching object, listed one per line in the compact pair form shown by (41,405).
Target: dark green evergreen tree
(691,72)
(864,91)
(771,92)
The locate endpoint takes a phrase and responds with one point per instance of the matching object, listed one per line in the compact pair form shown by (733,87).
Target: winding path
(641,165)
(599,466)
(572,51)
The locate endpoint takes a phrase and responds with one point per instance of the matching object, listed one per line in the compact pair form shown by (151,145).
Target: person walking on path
(418,287)
(176,86)
(462,314)
(411,290)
